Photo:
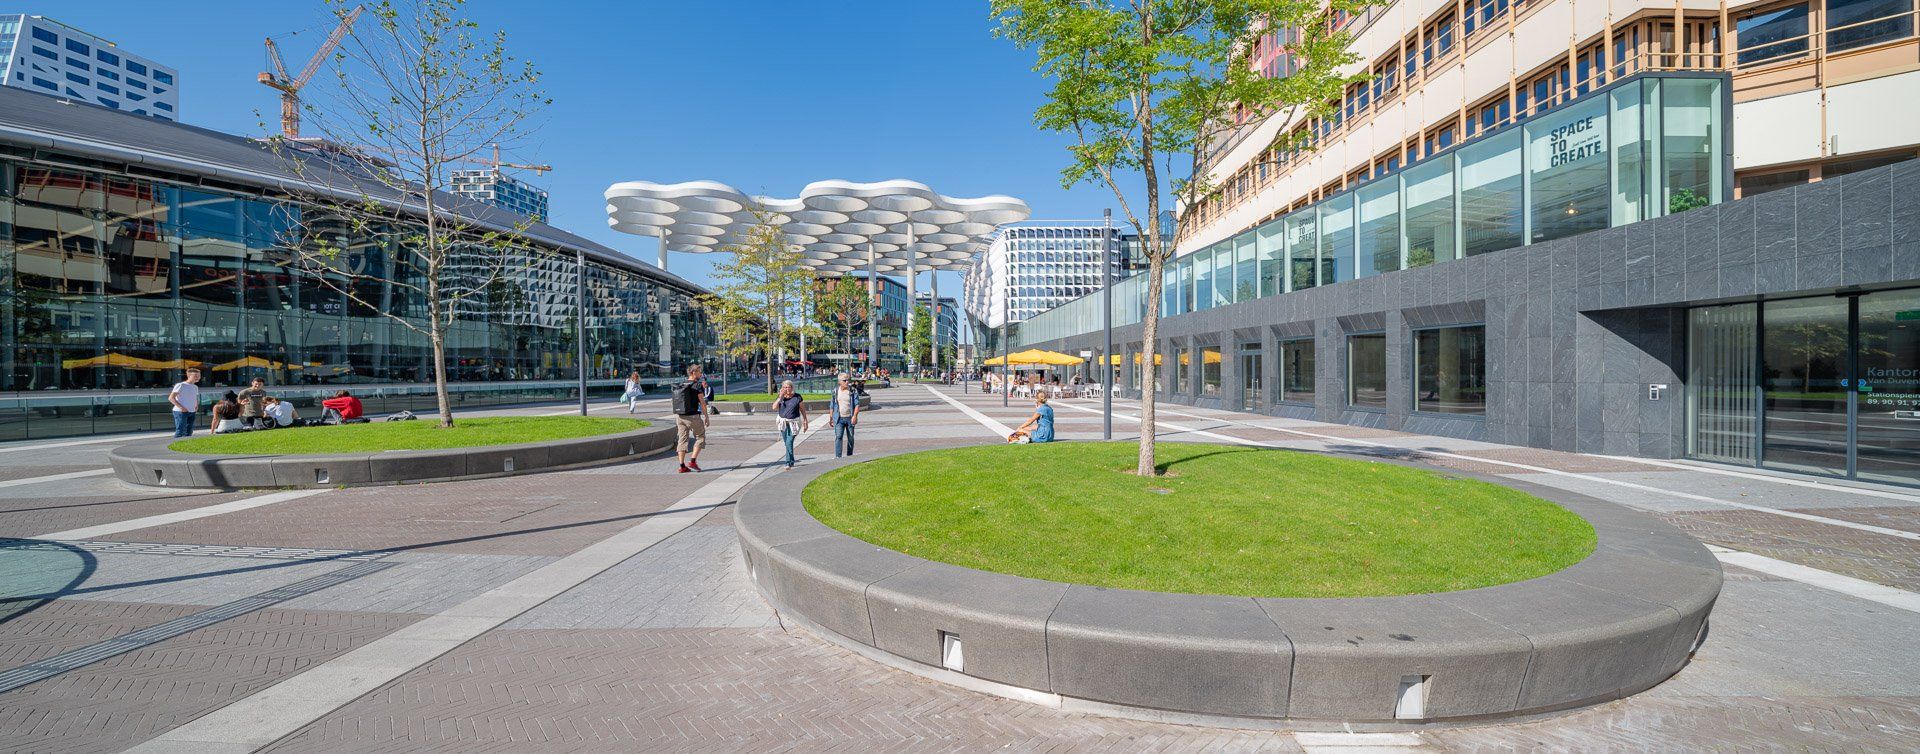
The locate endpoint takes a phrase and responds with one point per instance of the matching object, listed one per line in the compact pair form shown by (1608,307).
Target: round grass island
(1243,586)
(383,452)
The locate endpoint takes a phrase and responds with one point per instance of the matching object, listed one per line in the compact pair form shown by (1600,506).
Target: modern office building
(891,328)
(1649,231)
(44,55)
(134,247)
(501,190)
(1026,269)
(947,314)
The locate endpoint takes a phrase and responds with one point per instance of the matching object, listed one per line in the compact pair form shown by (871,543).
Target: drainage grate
(119,645)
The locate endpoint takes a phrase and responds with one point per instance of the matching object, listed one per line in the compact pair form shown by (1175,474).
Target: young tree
(765,284)
(418,89)
(919,339)
(847,306)
(1143,87)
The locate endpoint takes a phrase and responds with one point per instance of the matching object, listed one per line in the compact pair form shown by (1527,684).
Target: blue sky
(766,95)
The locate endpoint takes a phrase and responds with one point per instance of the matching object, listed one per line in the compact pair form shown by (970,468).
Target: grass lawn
(1223,520)
(423,434)
(766,397)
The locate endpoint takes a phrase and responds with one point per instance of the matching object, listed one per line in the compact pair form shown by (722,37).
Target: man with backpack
(690,419)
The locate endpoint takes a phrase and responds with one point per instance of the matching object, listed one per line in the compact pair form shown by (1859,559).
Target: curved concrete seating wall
(152,463)
(766,407)
(1617,623)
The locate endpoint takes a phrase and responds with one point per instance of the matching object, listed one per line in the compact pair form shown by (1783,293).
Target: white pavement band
(1847,585)
(1000,429)
(54,477)
(284,708)
(175,517)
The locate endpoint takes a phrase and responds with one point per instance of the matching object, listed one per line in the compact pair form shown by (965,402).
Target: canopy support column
(913,300)
(873,310)
(665,316)
(933,326)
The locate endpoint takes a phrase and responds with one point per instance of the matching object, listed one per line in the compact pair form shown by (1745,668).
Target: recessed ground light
(1411,704)
(951,655)
(319,476)
(509,464)
(159,477)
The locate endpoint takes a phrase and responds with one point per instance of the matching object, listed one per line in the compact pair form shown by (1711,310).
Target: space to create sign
(1574,143)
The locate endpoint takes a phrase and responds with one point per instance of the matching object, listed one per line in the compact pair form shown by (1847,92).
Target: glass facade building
(116,274)
(43,55)
(1643,148)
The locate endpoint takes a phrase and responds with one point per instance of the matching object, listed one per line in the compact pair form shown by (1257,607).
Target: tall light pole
(1006,346)
(1107,248)
(580,323)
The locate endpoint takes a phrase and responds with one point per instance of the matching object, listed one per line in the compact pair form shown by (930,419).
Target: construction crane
(496,164)
(289,86)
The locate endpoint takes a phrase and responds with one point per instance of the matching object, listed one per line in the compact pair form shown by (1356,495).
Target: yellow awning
(1034,357)
(122,361)
(255,362)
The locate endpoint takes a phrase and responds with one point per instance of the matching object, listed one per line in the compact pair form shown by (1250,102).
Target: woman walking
(791,413)
(632,395)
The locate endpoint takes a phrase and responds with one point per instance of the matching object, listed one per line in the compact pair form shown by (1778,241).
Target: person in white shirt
(185,398)
(633,393)
(280,413)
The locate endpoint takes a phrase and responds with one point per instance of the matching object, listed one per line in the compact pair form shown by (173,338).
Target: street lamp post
(580,323)
(1006,349)
(1106,320)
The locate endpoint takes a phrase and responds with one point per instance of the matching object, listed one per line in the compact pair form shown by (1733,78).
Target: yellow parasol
(253,362)
(1034,357)
(120,360)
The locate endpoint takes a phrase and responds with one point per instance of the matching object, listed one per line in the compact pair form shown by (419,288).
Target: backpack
(686,399)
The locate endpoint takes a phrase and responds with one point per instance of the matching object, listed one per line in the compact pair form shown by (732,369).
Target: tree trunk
(437,338)
(1157,254)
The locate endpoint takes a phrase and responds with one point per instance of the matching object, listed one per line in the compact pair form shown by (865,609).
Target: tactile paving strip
(217,551)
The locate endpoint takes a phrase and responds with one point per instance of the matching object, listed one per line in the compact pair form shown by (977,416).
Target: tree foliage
(1145,87)
(762,291)
(919,339)
(847,306)
(418,89)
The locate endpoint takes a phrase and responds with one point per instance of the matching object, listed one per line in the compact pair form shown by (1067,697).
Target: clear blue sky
(766,95)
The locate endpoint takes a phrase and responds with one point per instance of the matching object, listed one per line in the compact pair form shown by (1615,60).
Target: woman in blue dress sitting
(1039,427)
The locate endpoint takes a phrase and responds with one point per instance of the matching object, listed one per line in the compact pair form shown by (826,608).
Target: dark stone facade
(1578,328)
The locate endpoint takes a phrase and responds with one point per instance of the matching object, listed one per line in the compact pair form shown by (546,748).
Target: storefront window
(1379,243)
(1182,361)
(1210,372)
(1490,194)
(1367,371)
(1450,365)
(1272,250)
(1568,164)
(1336,239)
(1246,274)
(1689,141)
(1429,216)
(1303,250)
(1296,371)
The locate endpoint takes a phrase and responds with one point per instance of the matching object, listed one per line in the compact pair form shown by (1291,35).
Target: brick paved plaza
(607,609)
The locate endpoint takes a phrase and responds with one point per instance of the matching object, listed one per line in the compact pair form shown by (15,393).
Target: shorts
(689,433)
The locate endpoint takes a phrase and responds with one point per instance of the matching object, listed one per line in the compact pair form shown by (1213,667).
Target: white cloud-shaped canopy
(832,222)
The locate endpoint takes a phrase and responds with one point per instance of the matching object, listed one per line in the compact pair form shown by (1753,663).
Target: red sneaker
(683,468)
(694,464)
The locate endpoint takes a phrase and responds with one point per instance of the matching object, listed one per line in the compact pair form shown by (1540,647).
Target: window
(46,36)
(1182,360)
(1755,185)
(45,84)
(1367,371)
(162,106)
(106,74)
(79,79)
(1296,371)
(1210,371)
(106,57)
(1379,228)
(46,53)
(1859,23)
(1450,367)
(136,67)
(1567,156)
(109,103)
(1770,35)
(75,45)
(1336,240)
(1689,143)
(80,64)
(1843,167)
(1429,214)
(1490,194)
(137,84)
(108,88)
(163,77)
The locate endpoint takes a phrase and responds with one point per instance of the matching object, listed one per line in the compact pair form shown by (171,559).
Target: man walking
(845,408)
(185,397)
(690,419)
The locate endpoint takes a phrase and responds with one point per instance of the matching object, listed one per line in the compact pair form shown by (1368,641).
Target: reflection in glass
(1336,239)
(1887,440)
(1272,251)
(1720,382)
(1859,23)
(1429,217)
(1567,156)
(1303,250)
(1450,364)
(1772,35)
(1803,365)
(1379,243)
(1628,153)
(1367,371)
(1182,360)
(1490,194)
(1210,371)
(1296,371)
(1689,135)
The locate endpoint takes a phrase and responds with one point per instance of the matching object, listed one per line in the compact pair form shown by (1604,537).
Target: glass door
(1804,355)
(1887,391)
(1253,397)
(1723,415)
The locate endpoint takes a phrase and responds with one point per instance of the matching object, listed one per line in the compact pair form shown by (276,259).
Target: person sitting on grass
(1039,427)
(341,408)
(279,413)
(226,415)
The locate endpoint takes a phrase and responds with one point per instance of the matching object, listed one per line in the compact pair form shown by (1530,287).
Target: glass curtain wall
(112,282)
(1650,146)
